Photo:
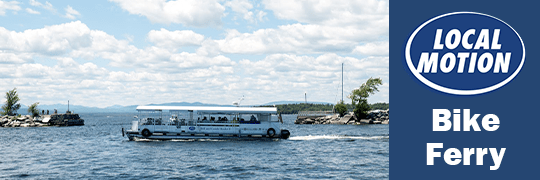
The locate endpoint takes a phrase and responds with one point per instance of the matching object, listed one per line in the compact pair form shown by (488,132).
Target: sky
(133,52)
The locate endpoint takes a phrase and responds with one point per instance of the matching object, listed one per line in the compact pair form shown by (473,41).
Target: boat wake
(307,138)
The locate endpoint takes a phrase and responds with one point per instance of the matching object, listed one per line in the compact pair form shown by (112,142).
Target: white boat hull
(206,131)
(197,122)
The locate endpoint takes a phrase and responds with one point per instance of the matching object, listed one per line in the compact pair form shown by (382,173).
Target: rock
(16,124)
(366,121)
(373,117)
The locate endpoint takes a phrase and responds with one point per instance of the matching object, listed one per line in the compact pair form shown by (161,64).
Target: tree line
(295,108)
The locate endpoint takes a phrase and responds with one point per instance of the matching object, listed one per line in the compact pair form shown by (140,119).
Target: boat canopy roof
(211,109)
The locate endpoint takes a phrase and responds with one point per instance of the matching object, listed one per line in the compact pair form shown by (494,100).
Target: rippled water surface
(98,151)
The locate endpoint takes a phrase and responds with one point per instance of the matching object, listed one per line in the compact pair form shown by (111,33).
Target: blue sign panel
(463,89)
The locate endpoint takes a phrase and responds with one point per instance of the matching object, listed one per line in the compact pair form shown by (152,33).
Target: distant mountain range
(294,102)
(62,108)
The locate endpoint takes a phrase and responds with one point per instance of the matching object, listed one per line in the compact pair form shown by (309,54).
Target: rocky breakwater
(22,121)
(67,119)
(373,117)
(329,119)
(377,117)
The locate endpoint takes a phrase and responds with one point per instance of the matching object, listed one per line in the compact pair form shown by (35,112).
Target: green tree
(12,105)
(341,108)
(32,109)
(359,96)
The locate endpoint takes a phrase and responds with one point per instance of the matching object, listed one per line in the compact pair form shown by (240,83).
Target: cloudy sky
(131,52)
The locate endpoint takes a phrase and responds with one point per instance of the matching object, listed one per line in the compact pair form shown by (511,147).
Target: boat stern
(130,133)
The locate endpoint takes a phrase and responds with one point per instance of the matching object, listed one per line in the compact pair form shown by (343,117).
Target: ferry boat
(204,122)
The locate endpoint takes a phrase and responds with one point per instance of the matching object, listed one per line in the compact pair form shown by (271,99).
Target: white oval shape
(457,91)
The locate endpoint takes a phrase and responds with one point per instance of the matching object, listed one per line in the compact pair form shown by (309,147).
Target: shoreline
(373,117)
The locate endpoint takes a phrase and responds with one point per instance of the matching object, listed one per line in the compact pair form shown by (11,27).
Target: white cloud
(373,49)
(71,13)
(76,40)
(174,39)
(11,5)
(260,15)
(326,26)
(14,58)
(50,40)
(346,12)
(89,84)
(241,7)
(341,28)
(297,38)
(209,48)
(31,11)
(92,67)
(47,6)
(35,3)
(198,13)
(155,74)
(287,77)
(159,75)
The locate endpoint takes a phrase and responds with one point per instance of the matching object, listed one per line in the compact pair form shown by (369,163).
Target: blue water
(98,151)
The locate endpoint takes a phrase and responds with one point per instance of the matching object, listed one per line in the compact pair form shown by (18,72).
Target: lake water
(98,151)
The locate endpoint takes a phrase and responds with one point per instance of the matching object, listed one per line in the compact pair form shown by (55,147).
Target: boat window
(249,119)
(179,118)
(264,117)
(150,117)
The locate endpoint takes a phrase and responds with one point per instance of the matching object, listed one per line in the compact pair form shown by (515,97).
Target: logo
(465,53)
(191,128)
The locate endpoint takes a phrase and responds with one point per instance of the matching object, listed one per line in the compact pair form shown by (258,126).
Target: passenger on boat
(205,120)
(222,120)
(148,121)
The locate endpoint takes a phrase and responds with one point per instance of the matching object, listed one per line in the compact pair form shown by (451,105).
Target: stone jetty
(67,119)
(22,121)
(373,117)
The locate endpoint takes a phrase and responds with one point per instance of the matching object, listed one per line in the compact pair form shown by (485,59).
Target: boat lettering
(215,128)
